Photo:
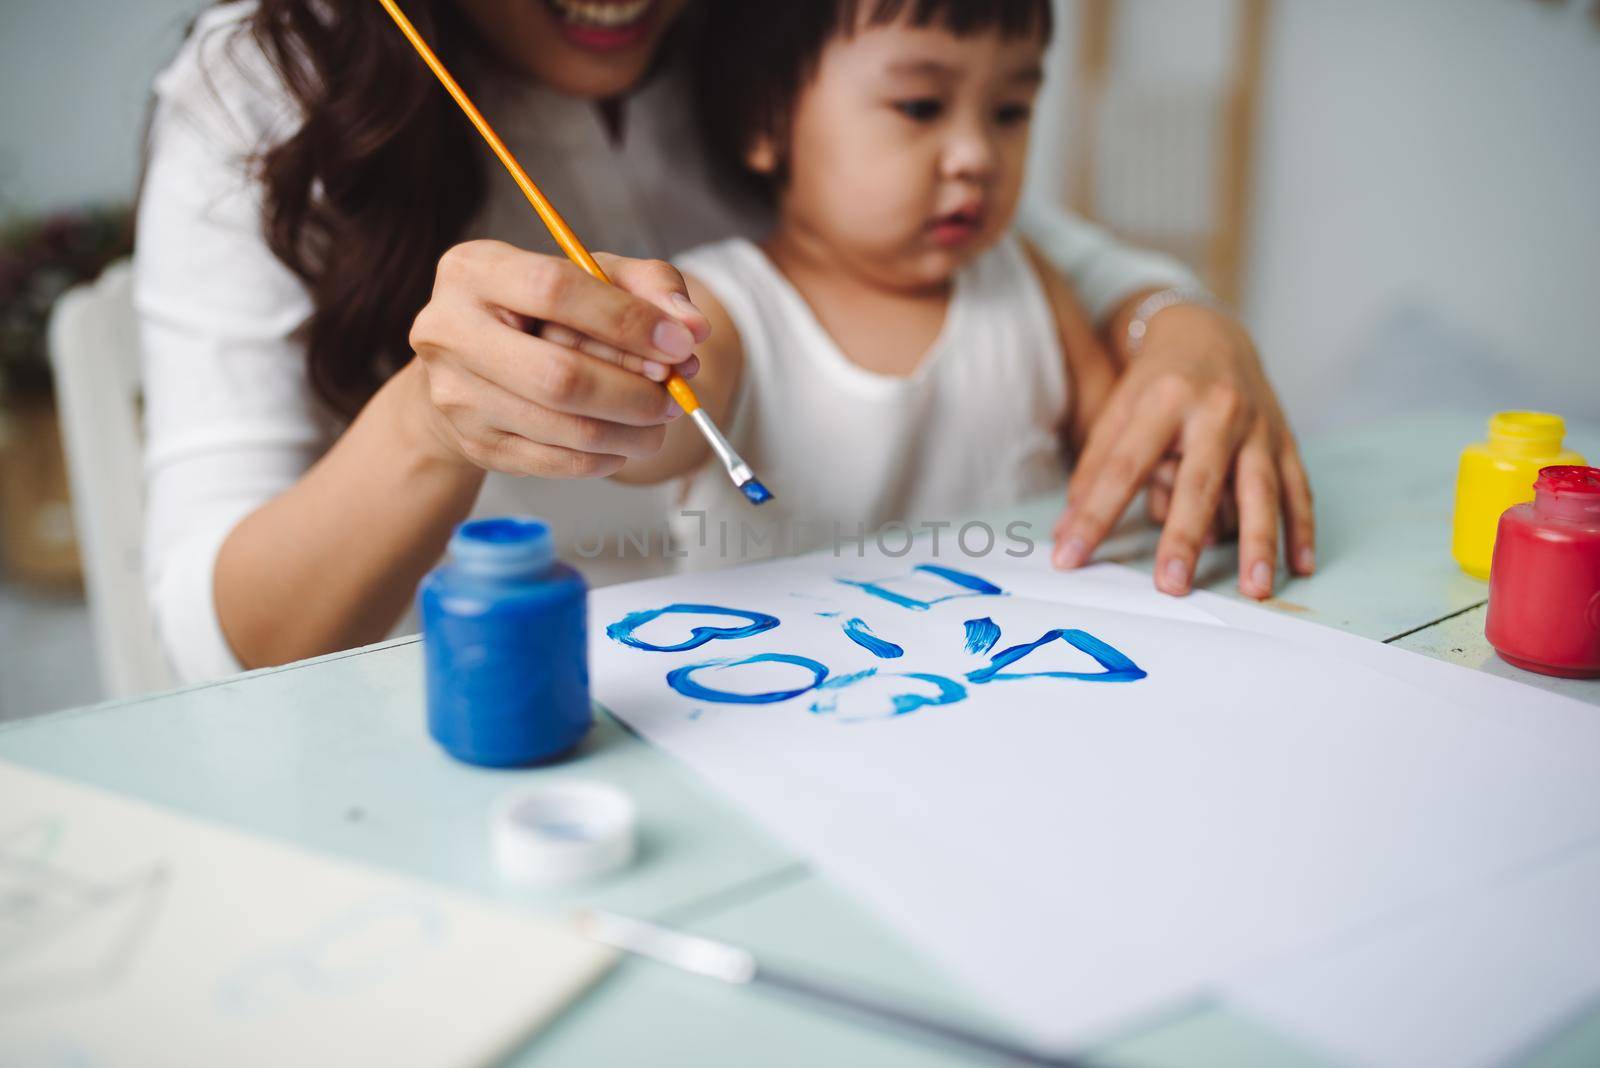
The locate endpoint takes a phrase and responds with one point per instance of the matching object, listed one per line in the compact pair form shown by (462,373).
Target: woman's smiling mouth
(603,25)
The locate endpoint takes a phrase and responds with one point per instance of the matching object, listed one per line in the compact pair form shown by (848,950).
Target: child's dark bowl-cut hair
(755,56)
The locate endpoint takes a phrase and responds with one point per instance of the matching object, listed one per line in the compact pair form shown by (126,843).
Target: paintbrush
(737,469)
(702,956)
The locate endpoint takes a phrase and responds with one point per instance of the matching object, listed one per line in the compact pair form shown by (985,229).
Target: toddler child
(892,351)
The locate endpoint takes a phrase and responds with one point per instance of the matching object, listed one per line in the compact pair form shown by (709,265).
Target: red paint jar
(1544,585)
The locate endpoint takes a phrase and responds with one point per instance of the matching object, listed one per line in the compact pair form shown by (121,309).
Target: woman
(309,188)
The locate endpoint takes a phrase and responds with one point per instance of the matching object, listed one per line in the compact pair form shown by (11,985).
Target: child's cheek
(874,198)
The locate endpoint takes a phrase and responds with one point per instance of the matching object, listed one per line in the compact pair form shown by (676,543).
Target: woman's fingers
(1104,436)
(484,415)
(661,284)
(1104,492)
(566,337)
(1158,495)
(1227,524)
(1298,513)
(1202,472)
(501,411)
(1257,491)
(549,289)
(565,380)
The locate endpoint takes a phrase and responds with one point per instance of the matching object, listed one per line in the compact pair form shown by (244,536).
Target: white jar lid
(561,833)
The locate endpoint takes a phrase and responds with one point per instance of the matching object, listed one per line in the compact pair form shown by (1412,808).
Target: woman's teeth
(605,15)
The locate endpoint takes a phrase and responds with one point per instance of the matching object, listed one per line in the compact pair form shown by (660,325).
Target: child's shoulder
(1008,270)
(730,253)
(712,274)
(1011,250)
(1058,292)
(732,282)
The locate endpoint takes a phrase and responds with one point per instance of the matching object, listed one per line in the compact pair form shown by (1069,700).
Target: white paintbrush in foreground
(718,960)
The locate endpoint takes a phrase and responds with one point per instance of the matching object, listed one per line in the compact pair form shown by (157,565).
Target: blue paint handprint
(980,636)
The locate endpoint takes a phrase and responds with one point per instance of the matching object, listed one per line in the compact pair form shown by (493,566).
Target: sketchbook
(1089,802)
(131,935)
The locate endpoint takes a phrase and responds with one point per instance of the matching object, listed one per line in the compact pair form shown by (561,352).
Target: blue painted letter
(1118,668)
(858,631)
(982,633)
(622,630)
(946,692)
(682,680)
(970,586)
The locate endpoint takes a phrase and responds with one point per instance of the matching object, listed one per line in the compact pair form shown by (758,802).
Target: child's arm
(721,364)
(1090,370)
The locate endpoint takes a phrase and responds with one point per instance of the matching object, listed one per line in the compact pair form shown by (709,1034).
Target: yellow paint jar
(1498,473)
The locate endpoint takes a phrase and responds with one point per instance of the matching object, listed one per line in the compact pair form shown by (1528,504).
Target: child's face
(906,151)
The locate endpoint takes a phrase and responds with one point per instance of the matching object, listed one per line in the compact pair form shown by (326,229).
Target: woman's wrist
(1147,309)
(1149,313)
(404,406)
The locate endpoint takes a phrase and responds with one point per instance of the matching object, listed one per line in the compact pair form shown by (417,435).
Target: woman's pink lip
(606,38)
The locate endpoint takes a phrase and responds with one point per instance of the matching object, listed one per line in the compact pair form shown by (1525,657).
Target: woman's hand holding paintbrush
(576,399)
(557,285)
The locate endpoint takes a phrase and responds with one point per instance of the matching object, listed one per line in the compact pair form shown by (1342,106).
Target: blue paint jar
(505,640)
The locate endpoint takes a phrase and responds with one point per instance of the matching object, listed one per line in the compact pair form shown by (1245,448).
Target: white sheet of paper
(1476,981)
(130,935)
(1081,852)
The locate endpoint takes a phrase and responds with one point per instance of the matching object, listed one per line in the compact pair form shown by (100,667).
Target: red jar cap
(1569,479)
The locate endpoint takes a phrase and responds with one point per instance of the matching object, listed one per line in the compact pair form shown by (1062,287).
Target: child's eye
(923,109)
(1012,114)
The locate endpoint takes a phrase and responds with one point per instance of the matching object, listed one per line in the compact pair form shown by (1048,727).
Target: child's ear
(762,155)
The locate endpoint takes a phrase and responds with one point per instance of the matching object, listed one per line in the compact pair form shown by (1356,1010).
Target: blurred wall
(74,84)
(1427,210)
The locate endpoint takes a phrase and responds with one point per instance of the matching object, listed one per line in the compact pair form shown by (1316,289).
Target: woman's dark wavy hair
(381,178)
(758,56)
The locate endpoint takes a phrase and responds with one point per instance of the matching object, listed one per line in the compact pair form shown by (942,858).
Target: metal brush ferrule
(738,470)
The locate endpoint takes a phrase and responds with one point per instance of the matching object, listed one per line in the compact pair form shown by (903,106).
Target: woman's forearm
(333,561)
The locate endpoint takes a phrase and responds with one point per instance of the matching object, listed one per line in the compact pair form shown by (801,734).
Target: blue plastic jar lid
(508,545)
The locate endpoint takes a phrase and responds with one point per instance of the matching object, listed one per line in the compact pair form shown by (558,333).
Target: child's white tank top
(848,451)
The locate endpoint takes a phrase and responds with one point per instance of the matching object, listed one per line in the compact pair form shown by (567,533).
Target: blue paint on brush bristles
(756,492)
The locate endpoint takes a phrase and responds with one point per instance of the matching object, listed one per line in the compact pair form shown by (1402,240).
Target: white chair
(94,350)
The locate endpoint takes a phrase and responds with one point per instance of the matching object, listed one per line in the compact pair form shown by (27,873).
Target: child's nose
(970,154)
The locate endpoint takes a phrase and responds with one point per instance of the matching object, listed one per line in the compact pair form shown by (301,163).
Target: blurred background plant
(41,257)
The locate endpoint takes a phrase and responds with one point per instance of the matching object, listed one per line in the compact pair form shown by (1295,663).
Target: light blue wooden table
(333,754)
